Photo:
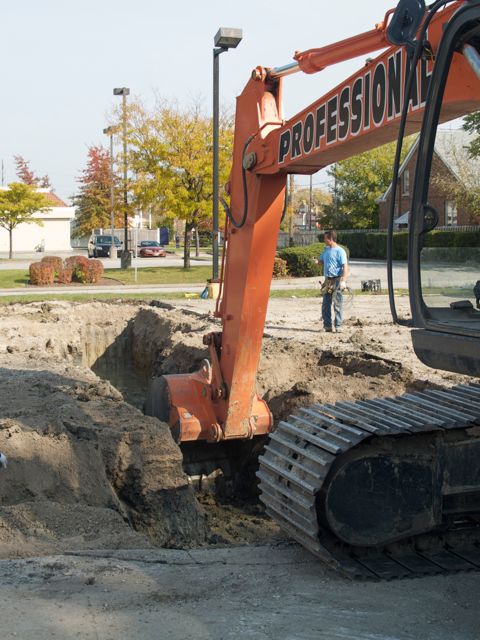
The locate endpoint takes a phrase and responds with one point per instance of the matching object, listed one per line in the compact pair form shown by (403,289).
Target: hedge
(76,268)
(301,261)
(41,273)
(374,245)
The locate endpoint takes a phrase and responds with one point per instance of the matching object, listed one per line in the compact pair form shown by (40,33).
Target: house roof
(450,147)
(54,200)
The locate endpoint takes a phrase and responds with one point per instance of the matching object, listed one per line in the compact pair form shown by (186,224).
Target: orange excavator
(379,488)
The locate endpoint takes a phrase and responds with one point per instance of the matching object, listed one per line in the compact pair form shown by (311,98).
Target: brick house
(450,161)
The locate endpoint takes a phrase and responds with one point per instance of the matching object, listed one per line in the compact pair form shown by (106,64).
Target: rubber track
(301,451)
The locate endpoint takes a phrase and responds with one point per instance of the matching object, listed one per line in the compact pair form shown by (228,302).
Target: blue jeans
(335,299)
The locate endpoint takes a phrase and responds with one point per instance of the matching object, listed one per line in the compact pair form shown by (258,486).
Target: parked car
(100,246)
(151,249)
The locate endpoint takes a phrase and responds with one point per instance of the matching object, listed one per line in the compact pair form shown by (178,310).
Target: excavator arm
(378,488)
(220,402)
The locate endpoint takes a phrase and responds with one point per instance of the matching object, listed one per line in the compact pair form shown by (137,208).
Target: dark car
(100,246)
(151,249)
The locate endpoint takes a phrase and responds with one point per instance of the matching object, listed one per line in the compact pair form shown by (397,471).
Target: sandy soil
(88,470)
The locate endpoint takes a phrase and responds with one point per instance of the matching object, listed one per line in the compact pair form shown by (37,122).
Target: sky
(61,60)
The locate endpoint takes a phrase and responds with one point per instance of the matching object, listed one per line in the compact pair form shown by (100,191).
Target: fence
(303,238)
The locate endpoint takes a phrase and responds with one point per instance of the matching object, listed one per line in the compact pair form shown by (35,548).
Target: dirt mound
(73,443)
(88,469)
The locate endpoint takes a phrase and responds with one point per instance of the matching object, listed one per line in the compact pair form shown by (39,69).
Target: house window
(406,183)
(450,214)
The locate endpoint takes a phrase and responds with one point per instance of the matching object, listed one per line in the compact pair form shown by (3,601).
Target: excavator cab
(444,268)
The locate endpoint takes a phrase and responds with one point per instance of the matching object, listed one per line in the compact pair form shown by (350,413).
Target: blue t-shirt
(333,259)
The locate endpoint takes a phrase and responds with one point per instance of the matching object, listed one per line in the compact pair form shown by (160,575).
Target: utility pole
(291,180)
(310,204)
(3,175)
(126,255)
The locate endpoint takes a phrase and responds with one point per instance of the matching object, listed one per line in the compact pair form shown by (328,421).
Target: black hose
(415,57)
(227,209)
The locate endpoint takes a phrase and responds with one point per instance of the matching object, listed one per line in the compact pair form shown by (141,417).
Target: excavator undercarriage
(386,488)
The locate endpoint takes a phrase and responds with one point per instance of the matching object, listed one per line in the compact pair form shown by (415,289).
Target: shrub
(65,275)
(41,273)
(280,269)
(374,245)
(94,271)
(79,267)
(55,261)
(301,261)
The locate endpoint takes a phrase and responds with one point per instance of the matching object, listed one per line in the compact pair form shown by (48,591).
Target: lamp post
(126,256)
(224,40)
(113,249)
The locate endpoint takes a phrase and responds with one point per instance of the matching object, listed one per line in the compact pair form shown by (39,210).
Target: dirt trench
(88,469)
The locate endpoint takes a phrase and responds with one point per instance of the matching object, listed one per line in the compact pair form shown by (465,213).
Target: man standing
(335,270)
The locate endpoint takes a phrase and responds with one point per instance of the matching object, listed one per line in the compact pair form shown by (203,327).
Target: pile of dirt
(88,469)
(77,451)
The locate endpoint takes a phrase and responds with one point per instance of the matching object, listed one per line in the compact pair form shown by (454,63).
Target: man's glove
(3,461)
(343,285)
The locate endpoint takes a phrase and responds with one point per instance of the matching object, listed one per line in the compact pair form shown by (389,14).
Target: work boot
(338,330)
(328,329)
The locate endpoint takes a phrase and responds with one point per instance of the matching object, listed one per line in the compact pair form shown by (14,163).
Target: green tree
(471,123)
(357,183)
(18,205)
(92,202)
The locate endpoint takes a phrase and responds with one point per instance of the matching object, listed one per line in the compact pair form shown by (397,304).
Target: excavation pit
(88,469)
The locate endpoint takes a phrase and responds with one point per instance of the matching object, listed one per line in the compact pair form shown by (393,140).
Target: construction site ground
(102,535)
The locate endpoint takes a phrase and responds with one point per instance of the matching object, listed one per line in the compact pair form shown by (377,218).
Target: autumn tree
(27,176)
(18,205)
(170,158)
(356,184)
(93,201)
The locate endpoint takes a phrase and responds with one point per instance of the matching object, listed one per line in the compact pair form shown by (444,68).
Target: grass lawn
(161,275)
(10,279)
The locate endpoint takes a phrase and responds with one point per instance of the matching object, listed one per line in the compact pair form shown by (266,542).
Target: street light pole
(124,92)
(113,249)
(224,40)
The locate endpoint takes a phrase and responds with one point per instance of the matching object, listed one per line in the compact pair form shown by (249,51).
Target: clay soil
(88,470)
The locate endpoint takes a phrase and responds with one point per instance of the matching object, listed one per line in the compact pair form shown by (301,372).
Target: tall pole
(125,168)
(310,205)
(126,255)
(216,126)
(113,250)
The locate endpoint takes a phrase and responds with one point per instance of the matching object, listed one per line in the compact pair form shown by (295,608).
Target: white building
(54,235)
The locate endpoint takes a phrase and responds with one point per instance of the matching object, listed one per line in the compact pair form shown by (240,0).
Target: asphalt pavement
(359,270)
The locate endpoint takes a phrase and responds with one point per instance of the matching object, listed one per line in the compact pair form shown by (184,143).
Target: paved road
(435,276)
(259,593)
(360,270)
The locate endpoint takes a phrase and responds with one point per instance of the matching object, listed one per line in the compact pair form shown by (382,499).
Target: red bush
(78,266)
(65,275)
(41,273)
(94,271)
(55,261)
